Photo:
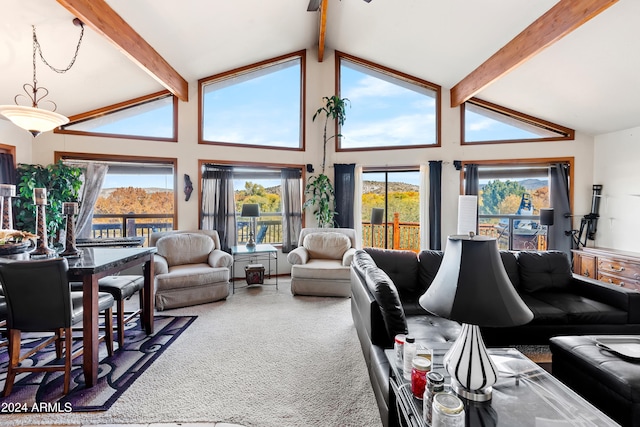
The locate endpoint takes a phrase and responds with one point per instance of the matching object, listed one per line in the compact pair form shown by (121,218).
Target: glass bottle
(408,354)
(435,384)
(419,376)
(398,346)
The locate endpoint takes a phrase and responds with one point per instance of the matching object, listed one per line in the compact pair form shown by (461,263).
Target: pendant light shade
(33,119)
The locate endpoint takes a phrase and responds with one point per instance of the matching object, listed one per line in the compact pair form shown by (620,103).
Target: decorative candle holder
(70,209)
(7,191)
(40,200)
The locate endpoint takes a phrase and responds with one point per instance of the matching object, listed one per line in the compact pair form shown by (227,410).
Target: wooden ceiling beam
(557,22)
(323,29)
(99,16)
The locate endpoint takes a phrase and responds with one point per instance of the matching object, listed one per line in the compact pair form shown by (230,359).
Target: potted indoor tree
(319,188)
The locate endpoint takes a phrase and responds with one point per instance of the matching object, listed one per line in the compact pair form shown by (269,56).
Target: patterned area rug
(42,391)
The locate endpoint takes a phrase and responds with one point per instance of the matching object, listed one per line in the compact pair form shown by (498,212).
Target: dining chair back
(39,299)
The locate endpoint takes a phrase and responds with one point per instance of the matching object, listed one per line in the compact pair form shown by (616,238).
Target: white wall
(320,82)
(616,167)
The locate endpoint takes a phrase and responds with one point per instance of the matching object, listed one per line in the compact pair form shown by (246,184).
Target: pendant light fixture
(33,118)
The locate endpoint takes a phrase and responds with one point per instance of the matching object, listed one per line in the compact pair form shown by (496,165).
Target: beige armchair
(190,268)
(320,263)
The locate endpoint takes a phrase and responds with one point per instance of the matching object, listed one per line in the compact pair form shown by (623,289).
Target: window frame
(121,107)
(533,162)
(254,165)
(569,134)
(339,56)
(65,155)
(387,170)
(247,69)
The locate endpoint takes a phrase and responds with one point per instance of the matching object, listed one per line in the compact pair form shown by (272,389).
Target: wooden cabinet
(608,265)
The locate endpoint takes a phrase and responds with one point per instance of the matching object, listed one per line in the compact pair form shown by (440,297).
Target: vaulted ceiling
(587,80)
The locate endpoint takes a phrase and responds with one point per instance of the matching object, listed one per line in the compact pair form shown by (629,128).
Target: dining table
(89,266)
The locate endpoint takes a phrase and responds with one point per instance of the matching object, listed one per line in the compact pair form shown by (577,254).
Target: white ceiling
(587,81)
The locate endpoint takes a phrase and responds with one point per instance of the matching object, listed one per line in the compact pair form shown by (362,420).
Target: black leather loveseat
(386,286)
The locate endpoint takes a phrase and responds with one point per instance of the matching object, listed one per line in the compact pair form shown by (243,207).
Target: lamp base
(251,243)
(470,366)
(482,395)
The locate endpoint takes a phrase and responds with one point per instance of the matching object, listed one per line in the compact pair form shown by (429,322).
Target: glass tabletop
(241,249)
(525,394)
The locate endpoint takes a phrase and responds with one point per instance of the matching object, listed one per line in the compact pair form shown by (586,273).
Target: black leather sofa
(386,286)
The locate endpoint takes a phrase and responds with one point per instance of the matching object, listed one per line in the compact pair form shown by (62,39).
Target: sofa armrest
(220,259)
(347,257)
(298,256)
(616,296)
(160,264)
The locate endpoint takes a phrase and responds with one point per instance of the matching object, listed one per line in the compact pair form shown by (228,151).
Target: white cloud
(481,125)
(415,129)
(371,86)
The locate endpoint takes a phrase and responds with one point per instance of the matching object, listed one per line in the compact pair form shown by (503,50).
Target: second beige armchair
(320,263)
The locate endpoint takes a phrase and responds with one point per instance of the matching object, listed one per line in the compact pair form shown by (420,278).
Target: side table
(525,395)
(262,252)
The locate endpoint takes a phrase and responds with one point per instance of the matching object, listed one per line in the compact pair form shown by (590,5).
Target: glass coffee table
(525,395)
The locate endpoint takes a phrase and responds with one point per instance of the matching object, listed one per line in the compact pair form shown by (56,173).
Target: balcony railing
(399,235)
(514,232)
(128,225)
(268,228)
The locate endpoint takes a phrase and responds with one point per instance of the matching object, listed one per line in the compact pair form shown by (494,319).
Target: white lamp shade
(35,120)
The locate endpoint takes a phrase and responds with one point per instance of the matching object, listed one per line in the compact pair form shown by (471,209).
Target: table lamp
(251,210)
(376,219)
(546,220)
(472,287)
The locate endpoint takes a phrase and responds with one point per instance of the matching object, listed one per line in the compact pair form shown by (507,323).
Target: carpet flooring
(261,358)
(38,391)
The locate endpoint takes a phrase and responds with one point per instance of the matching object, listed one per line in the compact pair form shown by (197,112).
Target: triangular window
(149,117)
(484,122)
(390,109)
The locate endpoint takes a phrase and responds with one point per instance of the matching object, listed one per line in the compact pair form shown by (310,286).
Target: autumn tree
(128,200)
(495,192)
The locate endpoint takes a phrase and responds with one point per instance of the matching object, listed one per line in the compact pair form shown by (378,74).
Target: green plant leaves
(63,185)
(321,194)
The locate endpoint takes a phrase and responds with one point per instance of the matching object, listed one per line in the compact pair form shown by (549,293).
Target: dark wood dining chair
(39,299)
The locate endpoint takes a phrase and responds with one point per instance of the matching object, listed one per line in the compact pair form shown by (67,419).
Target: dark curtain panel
(344,188)
(218,211)
(435,204)
(7,169)
(291,208)
(471,180)
(559,192)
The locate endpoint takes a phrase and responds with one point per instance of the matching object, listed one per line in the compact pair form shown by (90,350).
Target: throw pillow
(326,245)
(185,248)
(548,270)
(386,295)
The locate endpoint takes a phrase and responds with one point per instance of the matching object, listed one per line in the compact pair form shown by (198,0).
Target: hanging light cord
(32,90)
(36,45)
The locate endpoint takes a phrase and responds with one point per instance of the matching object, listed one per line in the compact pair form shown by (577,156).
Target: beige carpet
(261,358)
